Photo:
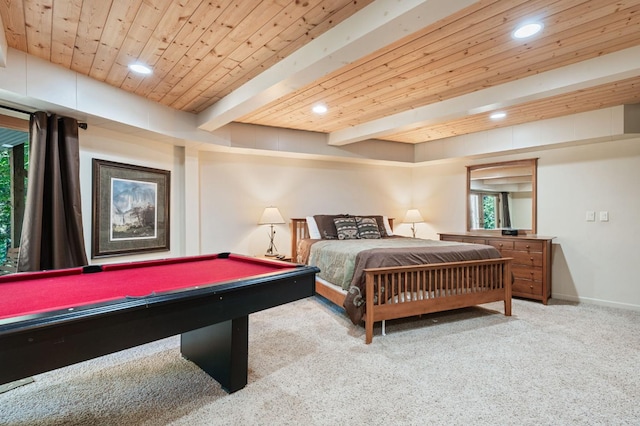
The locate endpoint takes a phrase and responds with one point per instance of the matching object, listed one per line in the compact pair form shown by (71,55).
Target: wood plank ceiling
(202,51)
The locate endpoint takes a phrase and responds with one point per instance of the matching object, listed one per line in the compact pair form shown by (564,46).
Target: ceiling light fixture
(498,115)
(140,68)
(320,109)
(527,30)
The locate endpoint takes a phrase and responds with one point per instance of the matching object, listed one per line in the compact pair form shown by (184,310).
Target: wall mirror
(502,196)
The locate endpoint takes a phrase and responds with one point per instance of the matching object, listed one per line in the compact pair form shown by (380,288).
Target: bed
(390,277)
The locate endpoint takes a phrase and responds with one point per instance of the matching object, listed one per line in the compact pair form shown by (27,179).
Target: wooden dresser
(531,264)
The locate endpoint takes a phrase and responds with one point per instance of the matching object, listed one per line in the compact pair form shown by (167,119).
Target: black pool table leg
(221,350)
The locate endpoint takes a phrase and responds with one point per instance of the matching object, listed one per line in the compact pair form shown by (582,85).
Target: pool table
(56,318)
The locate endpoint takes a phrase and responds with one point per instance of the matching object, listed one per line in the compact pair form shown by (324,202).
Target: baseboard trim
(599,302)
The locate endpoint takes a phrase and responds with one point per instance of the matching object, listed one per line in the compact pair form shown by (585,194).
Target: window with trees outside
(14,160)
(485,210)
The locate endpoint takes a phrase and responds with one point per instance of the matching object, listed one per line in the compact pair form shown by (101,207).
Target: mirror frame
(531,162)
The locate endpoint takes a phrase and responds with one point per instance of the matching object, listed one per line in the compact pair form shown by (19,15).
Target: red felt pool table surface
(37,292)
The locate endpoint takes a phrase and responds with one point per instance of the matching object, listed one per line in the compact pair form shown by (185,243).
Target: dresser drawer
(531,274)
(523,258)
(529,246)
(501,244)
(527,287)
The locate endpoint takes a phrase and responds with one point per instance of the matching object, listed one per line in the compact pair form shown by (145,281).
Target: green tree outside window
(489,211)
(5,196)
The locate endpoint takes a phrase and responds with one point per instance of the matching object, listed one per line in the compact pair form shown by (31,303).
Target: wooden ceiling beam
(603,96)
(370,29)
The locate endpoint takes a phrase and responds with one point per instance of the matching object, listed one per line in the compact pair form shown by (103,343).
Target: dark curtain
(52,236)
(506,215)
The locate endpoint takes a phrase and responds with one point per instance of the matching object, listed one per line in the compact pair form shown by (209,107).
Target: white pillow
(387,227)
(314,232)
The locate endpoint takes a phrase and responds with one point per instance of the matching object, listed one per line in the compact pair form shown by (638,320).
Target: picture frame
(130,209)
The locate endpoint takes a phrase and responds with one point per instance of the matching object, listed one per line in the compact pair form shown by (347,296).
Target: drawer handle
(528,246)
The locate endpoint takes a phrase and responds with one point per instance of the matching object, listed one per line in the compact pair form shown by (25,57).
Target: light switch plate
(591,216)
(604,216)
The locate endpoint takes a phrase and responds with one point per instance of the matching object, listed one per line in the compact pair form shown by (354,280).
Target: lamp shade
(270,216)
(413,216)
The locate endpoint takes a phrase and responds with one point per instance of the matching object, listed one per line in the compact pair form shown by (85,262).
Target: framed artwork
(130,211)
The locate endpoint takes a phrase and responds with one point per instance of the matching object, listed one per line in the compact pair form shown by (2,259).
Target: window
(485,210)
(14,154)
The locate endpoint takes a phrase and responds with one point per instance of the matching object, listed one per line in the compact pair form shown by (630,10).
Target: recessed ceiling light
(498,115)
(140,68)
(527,30)
(319,109)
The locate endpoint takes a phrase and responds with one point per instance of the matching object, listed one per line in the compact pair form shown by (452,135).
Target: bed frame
(421,289)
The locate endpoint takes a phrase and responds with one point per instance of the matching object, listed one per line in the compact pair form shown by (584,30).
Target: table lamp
(413,216)
(271,216)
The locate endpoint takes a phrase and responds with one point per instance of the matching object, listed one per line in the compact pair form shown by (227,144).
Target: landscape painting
(133,209)
(130,209)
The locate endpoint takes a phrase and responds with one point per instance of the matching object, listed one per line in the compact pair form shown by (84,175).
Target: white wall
(520,209)
(439,192)
(592,261)
(236,189)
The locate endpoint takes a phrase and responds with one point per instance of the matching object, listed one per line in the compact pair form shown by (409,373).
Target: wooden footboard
(405,291)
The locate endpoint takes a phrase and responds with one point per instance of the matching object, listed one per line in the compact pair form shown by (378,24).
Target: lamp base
(272,251)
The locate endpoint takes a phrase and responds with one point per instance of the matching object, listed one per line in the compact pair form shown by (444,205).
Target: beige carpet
(546,365)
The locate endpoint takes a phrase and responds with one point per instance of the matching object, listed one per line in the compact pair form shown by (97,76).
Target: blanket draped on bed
(343,262)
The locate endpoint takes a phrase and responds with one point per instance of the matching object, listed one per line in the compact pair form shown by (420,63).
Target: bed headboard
(300,231)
